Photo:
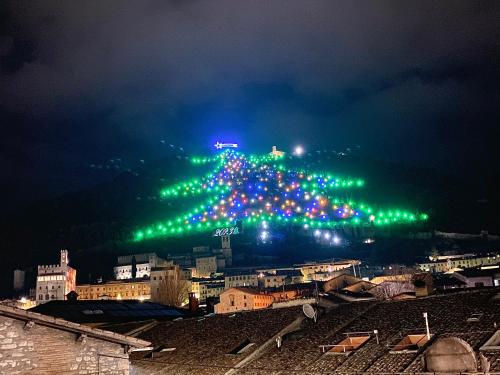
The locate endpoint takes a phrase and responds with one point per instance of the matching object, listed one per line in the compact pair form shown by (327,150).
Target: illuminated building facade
(240,299)
(275,152)
(458,262)
(115,290)
(54,282)
(271,281)
(144,264)
(309,269)
(205,266)
(241,279)
(204,288)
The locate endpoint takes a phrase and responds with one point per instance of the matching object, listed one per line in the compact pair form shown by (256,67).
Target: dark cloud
(406,80)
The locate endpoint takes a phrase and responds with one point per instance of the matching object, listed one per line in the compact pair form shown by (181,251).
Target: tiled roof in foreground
(65,325)
(207,346)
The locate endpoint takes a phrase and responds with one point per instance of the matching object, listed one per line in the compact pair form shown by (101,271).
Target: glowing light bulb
(298,150)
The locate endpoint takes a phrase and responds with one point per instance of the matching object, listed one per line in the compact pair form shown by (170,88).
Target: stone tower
(64,258)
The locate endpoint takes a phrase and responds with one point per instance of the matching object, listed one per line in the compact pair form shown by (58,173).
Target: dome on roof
(450,355)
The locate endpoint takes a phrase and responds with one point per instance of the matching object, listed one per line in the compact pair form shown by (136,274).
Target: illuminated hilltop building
(275,152)
(262,191)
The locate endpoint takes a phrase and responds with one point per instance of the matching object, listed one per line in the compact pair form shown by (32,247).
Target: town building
(424,284)
(224,254)
(206,266)
(269,280)
(401,278)
(54,282)
(446,281)
(143,263)
(201,250)
(33,343)
(21,303)
(329,268)
(18,281)
(275,152)
(240,278)
(292,276)
(247,298)
(165,279)
(204,288)
(188,273)
(477,277)
(450,263)
(120,289)
(241,299)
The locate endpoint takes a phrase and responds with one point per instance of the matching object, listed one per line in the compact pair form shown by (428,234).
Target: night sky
(85,82)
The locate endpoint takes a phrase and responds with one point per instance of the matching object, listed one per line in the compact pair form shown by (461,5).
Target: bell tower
(64,258)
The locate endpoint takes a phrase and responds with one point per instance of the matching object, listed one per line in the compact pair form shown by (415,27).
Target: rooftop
(478,272)
(107,311)
(203,346)
(28,315)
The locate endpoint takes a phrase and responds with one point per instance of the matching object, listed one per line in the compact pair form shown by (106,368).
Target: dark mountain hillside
(97,223)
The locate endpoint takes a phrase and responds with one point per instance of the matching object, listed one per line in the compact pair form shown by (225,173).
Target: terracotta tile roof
(202,345)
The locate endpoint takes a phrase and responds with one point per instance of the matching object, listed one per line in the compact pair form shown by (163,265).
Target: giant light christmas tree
(262,191)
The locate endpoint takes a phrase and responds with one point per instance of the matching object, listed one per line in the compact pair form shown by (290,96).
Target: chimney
(193,302)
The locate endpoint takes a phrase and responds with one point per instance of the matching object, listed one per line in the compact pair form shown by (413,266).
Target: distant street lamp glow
(298,151)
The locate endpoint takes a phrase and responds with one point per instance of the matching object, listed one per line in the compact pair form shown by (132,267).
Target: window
(475,317)
(493,343)
(410,343)
(347,345)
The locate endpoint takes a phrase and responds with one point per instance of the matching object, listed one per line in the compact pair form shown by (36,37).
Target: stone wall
(45,350)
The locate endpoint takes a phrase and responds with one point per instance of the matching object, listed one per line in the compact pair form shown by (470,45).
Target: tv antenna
(309,311)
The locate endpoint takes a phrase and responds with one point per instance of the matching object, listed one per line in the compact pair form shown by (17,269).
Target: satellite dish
(309,311)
